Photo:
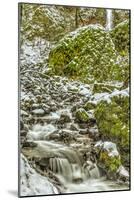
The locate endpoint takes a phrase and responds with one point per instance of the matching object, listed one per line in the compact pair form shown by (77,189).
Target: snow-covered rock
(109,157)
(105,96)
(123,173)
(84,91)
(110,147)
(32,183)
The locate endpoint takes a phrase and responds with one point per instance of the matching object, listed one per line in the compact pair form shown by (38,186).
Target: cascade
(109,19)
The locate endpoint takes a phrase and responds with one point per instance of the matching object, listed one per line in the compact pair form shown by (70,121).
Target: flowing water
(74,174)
(109,19)
(81,178)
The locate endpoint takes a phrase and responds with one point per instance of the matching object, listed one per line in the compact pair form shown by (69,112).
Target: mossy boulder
(88,53)
(83,116)
(121,37)
(108,159)
(90,105)
(113,122)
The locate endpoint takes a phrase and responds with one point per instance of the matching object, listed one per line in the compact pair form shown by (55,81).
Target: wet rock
(83,116)
(74,127)
(64,118)
(43,163)
(123,174)
(54,136)
(29,144)
(22,140)
(83,125)
(21,125)
(93,133)
(83,131)
(67,136)
(23,133)
(77,180)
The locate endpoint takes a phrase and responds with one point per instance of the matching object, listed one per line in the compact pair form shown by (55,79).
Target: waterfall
(62,167)
(70,172)
(74,172)
(109,19)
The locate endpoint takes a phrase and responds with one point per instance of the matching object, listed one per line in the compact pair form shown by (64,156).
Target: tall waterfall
(109,19)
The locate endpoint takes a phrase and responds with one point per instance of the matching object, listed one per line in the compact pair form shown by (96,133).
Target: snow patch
(107,97)
(110,147)
(32,183)
(123,172)
(38,111)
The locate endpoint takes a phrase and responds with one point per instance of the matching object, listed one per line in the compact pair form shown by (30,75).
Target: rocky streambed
(60,139)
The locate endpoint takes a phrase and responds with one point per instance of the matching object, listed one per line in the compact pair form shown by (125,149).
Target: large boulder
(112,116)
(86,54)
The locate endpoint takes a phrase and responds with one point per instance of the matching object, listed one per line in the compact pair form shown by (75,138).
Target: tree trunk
(76,18)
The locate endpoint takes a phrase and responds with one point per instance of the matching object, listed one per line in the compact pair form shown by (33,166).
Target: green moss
(111,163)
(113,122)
(120,35)
(89,106)
(82,115)
(88,53)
